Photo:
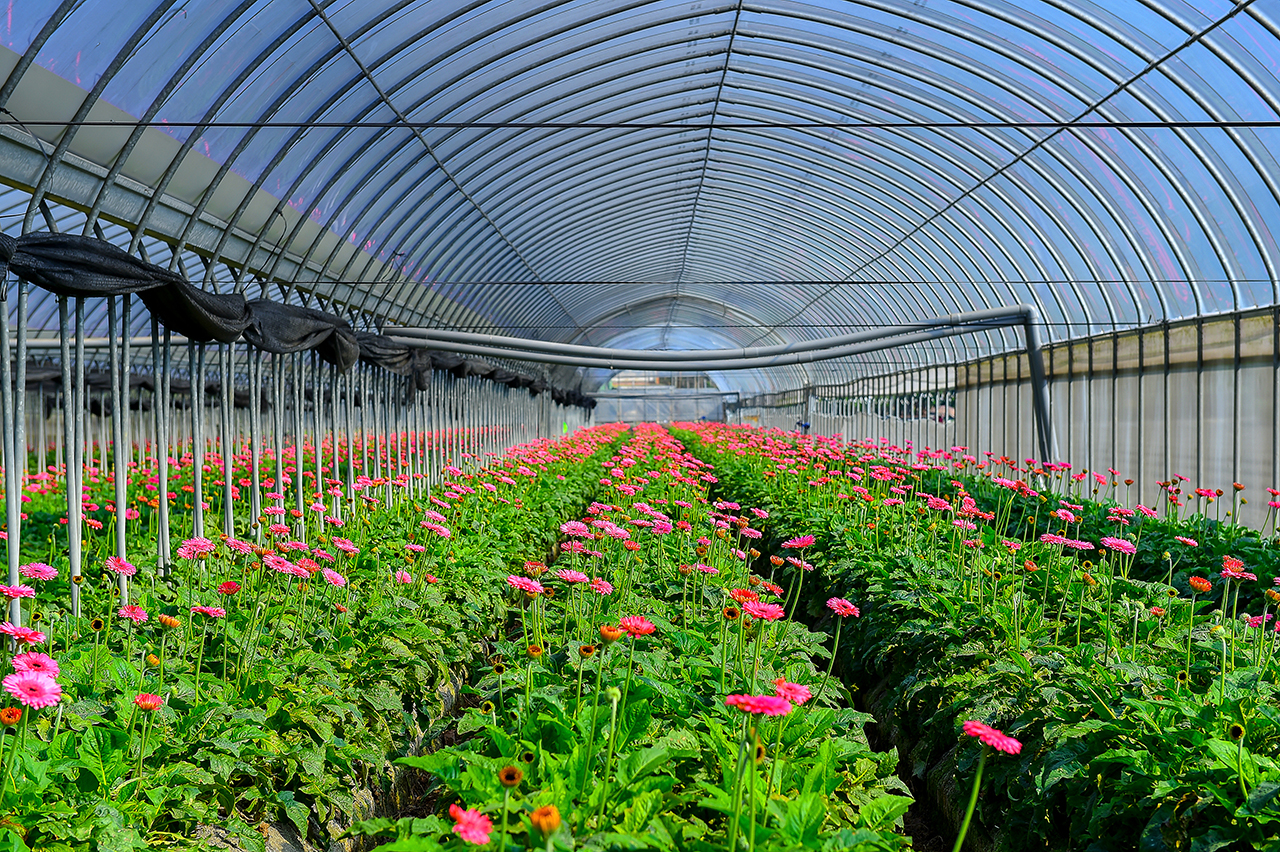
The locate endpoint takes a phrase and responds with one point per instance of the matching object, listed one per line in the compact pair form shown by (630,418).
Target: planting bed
(655,639)
(1133,653)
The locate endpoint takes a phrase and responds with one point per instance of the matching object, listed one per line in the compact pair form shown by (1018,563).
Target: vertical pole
(195,354)
(119,469)
(12,479)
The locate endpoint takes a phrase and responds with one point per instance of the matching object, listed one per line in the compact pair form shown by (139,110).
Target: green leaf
(883,813)
(296,811)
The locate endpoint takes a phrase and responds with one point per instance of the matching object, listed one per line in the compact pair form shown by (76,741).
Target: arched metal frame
(671,166)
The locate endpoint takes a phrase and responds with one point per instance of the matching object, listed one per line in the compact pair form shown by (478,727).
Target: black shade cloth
(198,314)
(283,329)
(78,266)
(385,353)
(72,265)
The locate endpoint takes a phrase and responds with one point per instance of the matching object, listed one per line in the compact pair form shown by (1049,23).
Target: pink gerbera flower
(196,548)
(799,541)
(38,571)
(31,661)
(601,586)
(210,611)
(134,613)
(762,705)
(22,635)
(572,576)
(15,592)
(990,736)
(404,577)
(117,565)
(33,689)
(1119,545)
(763,611)
(525,584)
(793,692)
(842,607)
(334,578)
(471,825)
(637,625)
(1189,542)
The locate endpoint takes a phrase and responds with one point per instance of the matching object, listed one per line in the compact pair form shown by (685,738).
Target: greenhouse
(832,425)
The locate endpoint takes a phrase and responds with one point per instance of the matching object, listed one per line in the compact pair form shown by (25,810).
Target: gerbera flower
(15,592)
(22,635)
(525,584)
(763,611)
(230,587)
(842,607)
(133,613)
(32,661)
(148,702)
(793,692)
(1200,584)
(209,611)
(799,541)
(404,577)
(333,577)
(38,571)
(761,705)
(1119,545)
(117,565)
(471,825)
(990,736)
(637,625)
(33,689)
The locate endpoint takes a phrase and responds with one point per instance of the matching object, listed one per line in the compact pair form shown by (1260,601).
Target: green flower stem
(751,768)
(204,630)
(591,739)
(608,761)
(737,790)
(502,828)
(1244,792)
(1191,623)
(973,802)
(835,646)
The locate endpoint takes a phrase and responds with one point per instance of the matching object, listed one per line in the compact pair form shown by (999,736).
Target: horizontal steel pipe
(991,318)
(692,362)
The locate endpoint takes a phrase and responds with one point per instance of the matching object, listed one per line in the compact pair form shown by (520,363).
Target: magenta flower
(333,577)
(120,566)
(1119,545)
(793,692)
(210,611)
(33,689)
(15,592)
(471,825)
(38,571)
(525,584)
(32,661)
(761,705)
(842,607)
(1189,542)
(572,576)
(990,736)
(637,625)
(22,635)
(403,577)
(763,611)
(133,613)
(601,586)
(799,541)
(196,548)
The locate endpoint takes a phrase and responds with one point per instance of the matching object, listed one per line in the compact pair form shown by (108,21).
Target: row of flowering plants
(652,691)
(1130,650)
(262,680)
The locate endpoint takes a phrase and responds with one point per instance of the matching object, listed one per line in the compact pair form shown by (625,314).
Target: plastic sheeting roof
(668,174)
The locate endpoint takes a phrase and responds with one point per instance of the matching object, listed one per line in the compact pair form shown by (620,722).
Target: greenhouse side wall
(1196,399)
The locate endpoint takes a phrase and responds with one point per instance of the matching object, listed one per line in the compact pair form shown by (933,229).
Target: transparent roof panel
(682,175)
